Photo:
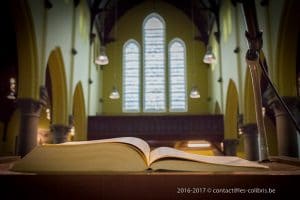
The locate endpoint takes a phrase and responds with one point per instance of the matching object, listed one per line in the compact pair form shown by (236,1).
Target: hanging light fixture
(115,93)
(102,59)
(209,57)
(194,94)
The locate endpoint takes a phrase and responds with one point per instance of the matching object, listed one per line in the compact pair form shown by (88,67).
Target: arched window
(177,76)
(131,76)
(157,81)
(154,64)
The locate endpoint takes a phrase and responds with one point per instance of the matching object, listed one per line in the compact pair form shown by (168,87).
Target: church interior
(208,77)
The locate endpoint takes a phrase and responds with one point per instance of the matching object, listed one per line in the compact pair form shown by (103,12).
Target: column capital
(250,129)
(60,132)
(29,107)
(293,103)
(286,132)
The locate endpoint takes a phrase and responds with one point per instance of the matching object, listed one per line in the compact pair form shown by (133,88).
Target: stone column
(60,133)
(286,131)
(230,146)
(30,113)
(251,147)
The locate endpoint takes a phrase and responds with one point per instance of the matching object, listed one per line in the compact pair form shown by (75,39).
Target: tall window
(131,76)
(154,64)
(177,76)
(158,81)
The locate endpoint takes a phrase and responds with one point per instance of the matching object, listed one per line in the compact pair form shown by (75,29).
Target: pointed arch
(177,84)
(28,79)
(249,105)
(131,74)
(154,64)
(287,49)
(59,87)
(231,113)
(79,113)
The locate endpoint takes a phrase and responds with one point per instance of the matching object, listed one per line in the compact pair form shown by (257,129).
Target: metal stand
(263,145)
(254,37)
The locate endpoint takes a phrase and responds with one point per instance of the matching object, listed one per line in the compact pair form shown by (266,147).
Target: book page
(167,152)
(134,141)
(82,159)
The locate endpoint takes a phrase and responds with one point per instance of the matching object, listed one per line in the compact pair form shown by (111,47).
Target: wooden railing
(183,127)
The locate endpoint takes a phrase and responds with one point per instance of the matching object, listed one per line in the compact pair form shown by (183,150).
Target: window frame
(179,40)
(167,68)
(156,15)
(139,75)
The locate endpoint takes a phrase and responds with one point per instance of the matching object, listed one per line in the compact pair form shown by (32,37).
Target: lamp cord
(193,42)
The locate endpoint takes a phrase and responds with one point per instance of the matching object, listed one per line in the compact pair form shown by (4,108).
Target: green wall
(129,26)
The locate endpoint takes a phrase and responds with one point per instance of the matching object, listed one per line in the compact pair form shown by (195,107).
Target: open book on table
(125,154)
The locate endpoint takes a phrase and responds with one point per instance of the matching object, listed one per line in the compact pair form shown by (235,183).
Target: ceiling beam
(105,13)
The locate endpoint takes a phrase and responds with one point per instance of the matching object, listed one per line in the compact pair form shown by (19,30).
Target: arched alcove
(287,49)
(56,69)
(28,76)
(249,105)
(231,113)
(79,113)
(18,63)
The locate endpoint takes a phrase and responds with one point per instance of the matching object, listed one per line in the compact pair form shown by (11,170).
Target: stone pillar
(60,133)
(230,146)
(251,147)
(286,131)
(30,113)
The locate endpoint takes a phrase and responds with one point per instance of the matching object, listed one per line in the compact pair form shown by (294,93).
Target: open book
(125,154)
